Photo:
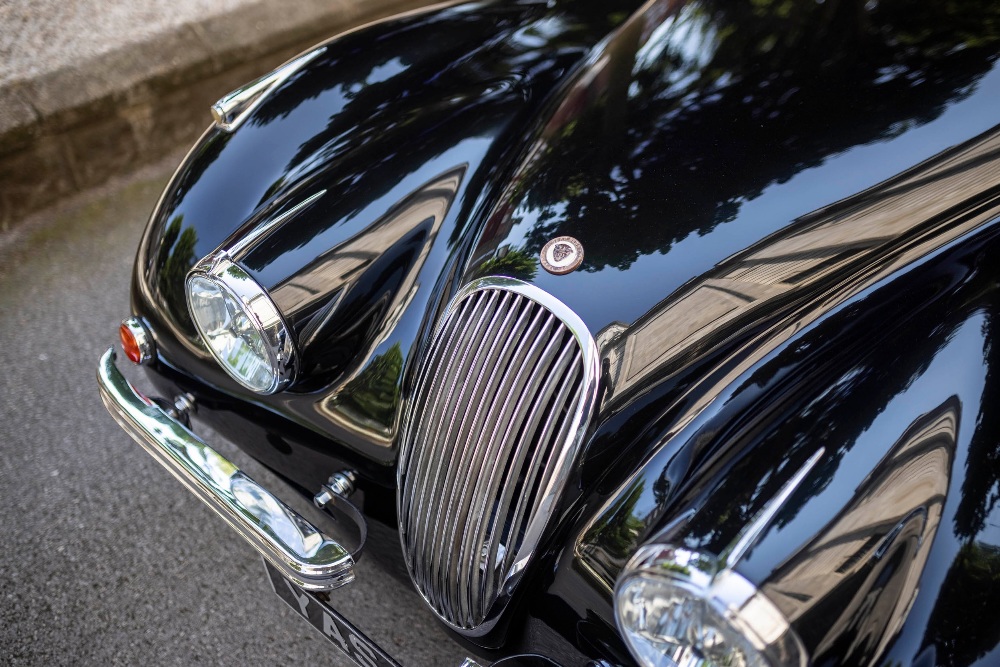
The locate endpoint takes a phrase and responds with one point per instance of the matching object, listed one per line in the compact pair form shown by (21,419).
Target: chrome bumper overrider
(293,545)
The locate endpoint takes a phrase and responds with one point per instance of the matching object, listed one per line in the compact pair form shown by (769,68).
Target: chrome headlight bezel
(277,343)
(748,619)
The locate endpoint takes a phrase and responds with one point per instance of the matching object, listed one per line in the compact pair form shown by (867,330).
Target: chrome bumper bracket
(299,550)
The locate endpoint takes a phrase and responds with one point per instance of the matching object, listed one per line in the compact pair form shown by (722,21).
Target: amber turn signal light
(137,344)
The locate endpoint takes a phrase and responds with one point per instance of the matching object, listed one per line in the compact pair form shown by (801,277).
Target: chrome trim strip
(267,227)
(752,532)
(230,111)
(299,550)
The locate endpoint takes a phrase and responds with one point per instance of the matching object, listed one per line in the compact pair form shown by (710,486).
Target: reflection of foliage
(981,487)
(201,159)
(870,378)
(414,52)
(430,76)
(510,262)
(617,533)
(382,104)
(168,220)
(374,394)
(175,257)
(963,626)
(727,99)
(674,567)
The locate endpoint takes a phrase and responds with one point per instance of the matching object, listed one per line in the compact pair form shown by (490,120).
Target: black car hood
(693,142)
(701,129)
(732,172)
(387,146)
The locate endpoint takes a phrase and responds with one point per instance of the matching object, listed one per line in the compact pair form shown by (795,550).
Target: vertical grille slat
(494,459)
(459,471)
(523,434)
(461,376)
(502,397)
(526,494)
(498,378)
(443,378)
(432,374)
(508,460)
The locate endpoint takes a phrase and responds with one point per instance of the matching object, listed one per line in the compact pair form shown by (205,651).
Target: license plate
(329,623)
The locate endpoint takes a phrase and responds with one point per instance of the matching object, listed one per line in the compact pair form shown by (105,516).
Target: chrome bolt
(323,498)
(340,484)
(183,406)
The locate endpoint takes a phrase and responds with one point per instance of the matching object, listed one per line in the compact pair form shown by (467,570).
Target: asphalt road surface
(104,558)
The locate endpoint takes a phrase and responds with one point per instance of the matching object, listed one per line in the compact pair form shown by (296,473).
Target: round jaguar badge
(562,255)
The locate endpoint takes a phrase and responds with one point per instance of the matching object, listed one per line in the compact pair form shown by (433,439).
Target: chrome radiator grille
(500,405)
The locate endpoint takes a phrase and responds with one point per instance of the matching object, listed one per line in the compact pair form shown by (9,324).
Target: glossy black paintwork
(888,495)
(718,124)
(697,137)
(579,197)
(939,367)
(412,114)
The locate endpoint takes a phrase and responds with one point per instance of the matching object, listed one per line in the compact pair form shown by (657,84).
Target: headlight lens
(676,607)
(240,325)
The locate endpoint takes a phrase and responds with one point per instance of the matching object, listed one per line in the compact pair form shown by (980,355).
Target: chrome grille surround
(502,401)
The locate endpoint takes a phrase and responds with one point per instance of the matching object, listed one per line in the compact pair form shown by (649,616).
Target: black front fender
(397,137)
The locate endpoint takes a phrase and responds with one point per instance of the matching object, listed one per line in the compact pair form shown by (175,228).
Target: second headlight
(240,325)
(677,607)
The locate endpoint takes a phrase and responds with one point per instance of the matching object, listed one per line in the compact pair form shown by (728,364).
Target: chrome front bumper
(299,550)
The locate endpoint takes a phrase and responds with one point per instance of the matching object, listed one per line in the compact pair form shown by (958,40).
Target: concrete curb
(71,129)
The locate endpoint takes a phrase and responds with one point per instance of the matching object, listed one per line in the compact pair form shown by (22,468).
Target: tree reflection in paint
(726,99)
